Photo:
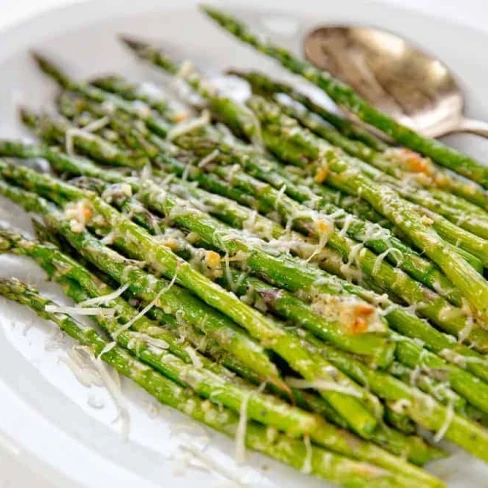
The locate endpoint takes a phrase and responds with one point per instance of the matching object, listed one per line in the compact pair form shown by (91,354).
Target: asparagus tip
(43,63)
(134,44)
(234,72)
(49,68)
(27,116)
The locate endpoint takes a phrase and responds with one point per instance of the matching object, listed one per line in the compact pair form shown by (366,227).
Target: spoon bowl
(415,88)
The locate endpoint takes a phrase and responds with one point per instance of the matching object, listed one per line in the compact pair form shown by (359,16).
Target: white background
(471,12)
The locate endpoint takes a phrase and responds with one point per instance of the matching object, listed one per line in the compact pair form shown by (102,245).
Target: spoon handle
(471,126)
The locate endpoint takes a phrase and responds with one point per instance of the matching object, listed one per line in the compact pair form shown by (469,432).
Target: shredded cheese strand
(208,158)
(146,308)
(445,426)
(105,299)
(114,388)
(189,126)
(106,349)
(307,464)
(240,449)
(107,312)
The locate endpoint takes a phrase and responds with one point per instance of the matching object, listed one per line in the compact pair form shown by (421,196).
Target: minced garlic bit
(79,214)
(410,161)
(212,259)
(356,316)
(321,174)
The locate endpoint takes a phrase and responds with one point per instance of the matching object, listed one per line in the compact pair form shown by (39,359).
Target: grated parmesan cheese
(307,463)
(240,449)
(447,422)
(208,158)
(146,308)
(105,299)
(195,359)
(107,348)
(112,383)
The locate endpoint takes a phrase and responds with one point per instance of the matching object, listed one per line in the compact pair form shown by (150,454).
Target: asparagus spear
(374,348)
(430,175)
(59,131)
(416,400)
(294,452)
(140,111)
(131,91)
(346,97)
(433,277)
(420,407)
(216,384)
(162,259)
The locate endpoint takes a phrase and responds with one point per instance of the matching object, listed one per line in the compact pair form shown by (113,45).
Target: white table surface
(470,12)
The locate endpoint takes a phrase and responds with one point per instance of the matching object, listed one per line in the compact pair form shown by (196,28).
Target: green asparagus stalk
(218,389)
(59,131)
(423,379)
(132,91)
(190,310)
(374,348)
(138,110)
(433,278)
(294,452)
(291,308)
(166,262)
(344,96)
(419,406)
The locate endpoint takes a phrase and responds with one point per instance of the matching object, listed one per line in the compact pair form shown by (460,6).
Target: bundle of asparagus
(271,269)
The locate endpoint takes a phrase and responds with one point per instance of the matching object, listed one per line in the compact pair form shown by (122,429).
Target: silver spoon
(395,77)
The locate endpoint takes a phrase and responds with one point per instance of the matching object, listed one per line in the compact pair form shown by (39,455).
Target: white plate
(46,425)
